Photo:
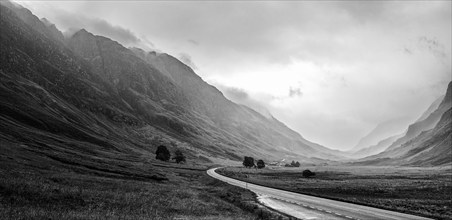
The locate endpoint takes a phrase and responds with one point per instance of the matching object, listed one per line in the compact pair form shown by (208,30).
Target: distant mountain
(421,146)
(424,125)
(91,92)
(380,132)
(210,102)
(388,128)
(431,108)
(375,149)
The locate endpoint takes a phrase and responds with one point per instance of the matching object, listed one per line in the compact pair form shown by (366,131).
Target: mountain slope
(425,122)
(230,117)
(422,147)
(94,90)
(423,125)
(431,108)
(381,131)
(377,148)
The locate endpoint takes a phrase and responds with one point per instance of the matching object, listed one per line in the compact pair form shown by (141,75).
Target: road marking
(377,212)
(312,207)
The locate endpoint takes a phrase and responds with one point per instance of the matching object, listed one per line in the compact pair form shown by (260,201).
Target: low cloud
(433,46)
(194,42)
(240,96)
(369,61)
(187,60)
(235,93)
(295,92)
(69,22)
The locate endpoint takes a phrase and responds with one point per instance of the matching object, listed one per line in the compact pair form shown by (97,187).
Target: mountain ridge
(426,143)
(124,96)
(381,131)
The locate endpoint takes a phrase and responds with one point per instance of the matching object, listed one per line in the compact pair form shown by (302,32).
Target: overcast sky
(331,70)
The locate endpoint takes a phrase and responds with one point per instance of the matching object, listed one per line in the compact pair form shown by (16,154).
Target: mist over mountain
(86,90)
(381,131)
(431,108)
(387,133)
(376,148)
(427,142)
(98,123)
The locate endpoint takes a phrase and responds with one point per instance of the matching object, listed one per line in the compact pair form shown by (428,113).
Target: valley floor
(420,191)
(33,188)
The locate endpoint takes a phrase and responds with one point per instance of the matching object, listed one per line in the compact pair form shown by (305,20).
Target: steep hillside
(422,147)
(422,124)
(380,132)
(431,108)
(91,89)
(237,120)
(377,148)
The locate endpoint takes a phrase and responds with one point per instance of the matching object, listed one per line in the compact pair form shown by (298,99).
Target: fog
(331,70)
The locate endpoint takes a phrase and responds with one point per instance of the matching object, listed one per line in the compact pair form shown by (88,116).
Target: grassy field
(188,194)
(421,191)
(55,186)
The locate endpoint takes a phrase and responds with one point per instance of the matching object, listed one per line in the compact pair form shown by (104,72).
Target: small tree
(179,156)
(308,173)
(297,164)
(162,153)
(260,164)
(293,163)
(248,162)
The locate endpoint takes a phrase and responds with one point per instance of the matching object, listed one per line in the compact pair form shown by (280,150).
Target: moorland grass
(189,193)
(424,192)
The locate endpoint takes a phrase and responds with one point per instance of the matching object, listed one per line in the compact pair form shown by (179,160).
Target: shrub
(162,153)
(308,173)
(248,162)
(179,156)
(260,164)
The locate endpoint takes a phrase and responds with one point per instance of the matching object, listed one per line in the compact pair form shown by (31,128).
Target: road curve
(311,207)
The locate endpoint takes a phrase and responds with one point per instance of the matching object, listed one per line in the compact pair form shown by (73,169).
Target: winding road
(311,207)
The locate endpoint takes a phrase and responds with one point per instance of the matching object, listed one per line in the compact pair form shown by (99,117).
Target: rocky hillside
(380,132)
(421,146)
(425,122)
(375,149)
(93,92)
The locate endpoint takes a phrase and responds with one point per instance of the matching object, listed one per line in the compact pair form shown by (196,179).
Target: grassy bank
(187,195)
(178,192)
(426,192)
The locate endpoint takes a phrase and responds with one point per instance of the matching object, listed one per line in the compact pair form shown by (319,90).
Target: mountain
(426,124)
(431,108)
(88,96)
(421,146)
(393,127)
(377,148)
(209,101)
(381,131)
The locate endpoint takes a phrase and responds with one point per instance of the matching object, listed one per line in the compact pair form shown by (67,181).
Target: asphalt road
(311,207)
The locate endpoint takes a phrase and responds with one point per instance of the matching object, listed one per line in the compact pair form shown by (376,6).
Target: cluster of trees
(293,164)
(164,154)
(248,162)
